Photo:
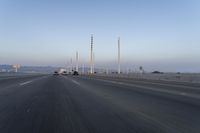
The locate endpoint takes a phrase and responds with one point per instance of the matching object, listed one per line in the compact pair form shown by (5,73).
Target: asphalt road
(83,104)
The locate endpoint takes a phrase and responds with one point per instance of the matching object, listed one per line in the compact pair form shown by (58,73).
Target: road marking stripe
(27,82)
(33,80)
(74,81)
(28,110)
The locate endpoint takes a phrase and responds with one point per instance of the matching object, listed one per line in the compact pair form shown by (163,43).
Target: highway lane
(158,83)
(175,88)
(7,81)
(61,104)
(178,112)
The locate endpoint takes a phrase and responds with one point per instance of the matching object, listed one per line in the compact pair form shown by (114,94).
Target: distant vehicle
(64,73)
(56,73)
(70,73)
(157,72)
(75,73)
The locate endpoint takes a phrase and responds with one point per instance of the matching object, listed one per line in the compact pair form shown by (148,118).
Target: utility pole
(83,69)
(77,61)
(91,56)
(71,65)
(119,58)
(107,71)
(16,67)
(93,62)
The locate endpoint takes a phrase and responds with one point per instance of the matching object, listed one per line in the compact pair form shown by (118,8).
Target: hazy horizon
(158,35)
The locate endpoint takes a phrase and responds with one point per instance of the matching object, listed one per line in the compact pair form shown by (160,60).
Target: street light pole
(119,58)
(77,61)
(91,56)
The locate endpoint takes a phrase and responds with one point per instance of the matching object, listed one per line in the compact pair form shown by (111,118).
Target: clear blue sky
(157,34)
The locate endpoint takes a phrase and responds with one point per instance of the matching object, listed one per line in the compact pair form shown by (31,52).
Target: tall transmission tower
(91,56)
(77,61)
(119,57)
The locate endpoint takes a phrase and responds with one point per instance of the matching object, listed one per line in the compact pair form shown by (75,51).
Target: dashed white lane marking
(74,81)
(27,82)
(28,110)
(183,93)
